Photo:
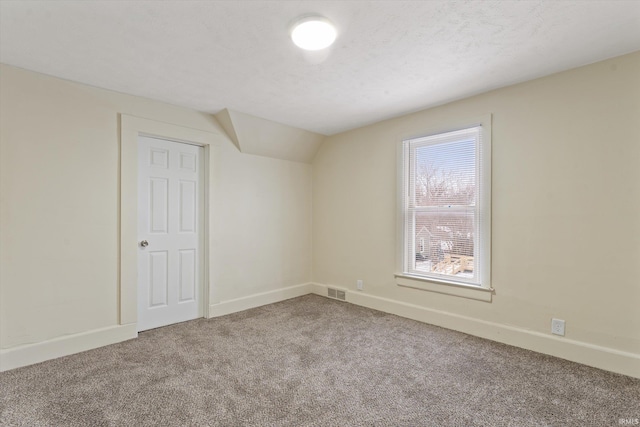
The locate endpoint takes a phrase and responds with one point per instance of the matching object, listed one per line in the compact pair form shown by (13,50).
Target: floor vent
(337,294)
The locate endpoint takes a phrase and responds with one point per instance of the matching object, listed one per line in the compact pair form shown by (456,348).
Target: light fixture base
(313,32)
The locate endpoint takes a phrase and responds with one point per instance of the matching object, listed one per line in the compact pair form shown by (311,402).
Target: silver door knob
(144,243)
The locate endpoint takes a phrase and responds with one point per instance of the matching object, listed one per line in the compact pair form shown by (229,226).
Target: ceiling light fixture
(313,33)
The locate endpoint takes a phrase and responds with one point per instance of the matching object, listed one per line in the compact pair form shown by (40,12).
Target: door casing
(130,128)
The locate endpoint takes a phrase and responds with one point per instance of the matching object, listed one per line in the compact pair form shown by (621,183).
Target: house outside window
(446,201)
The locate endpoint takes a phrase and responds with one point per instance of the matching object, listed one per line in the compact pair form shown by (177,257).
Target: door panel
(158,278)
(170,218)
(188,206)
(159,205)
(187,275)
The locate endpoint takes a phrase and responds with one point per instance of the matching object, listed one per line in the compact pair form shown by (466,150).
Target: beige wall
(59,209)
(566,206)
(566,212)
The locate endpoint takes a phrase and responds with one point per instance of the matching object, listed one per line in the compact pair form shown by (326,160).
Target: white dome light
(313,33)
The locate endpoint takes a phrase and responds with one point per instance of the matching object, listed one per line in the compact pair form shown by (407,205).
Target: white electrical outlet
(557,327)
(360,285)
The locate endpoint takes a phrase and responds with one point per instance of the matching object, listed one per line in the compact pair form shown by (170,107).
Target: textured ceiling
(390,58)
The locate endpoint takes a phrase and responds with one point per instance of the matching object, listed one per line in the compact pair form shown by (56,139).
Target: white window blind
(445,221)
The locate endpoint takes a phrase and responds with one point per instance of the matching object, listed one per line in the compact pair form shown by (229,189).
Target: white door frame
(130,128)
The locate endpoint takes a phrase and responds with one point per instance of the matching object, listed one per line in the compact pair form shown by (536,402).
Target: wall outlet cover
(557,327)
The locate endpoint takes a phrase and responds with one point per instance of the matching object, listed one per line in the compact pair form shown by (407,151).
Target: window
(446,201)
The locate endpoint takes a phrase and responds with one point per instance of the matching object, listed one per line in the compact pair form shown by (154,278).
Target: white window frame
(440,283)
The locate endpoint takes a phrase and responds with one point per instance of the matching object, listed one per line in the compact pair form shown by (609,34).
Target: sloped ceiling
(253,135)
(390,58)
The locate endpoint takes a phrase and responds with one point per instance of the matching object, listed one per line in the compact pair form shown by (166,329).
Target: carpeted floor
(311,361)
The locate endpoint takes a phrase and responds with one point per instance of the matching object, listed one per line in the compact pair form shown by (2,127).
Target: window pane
(445,174)
(446,206)
(445,243)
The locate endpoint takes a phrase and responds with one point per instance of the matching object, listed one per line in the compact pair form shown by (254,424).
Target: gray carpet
(311,361)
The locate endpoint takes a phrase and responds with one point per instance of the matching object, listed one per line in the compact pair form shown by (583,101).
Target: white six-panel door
(170,232)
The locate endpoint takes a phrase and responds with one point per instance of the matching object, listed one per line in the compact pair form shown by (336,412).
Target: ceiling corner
(262,137)
(224,118)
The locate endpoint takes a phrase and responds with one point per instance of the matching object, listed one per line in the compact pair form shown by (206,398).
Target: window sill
(444,287)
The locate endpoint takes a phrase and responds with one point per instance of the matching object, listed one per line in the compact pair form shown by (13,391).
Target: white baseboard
(257,300)
(29,354)
(576,351)
(588,354)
